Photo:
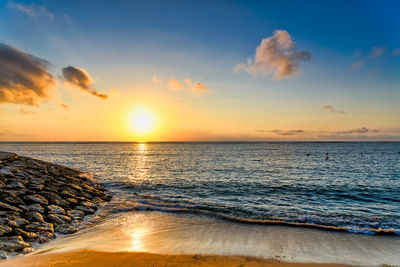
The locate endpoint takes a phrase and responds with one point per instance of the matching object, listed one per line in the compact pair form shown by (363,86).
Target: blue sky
(123,44)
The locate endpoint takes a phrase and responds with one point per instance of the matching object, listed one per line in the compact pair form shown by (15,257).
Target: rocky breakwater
(39,200)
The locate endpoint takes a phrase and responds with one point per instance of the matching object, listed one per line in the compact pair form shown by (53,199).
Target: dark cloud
(64,106)
(276,56)
(281,132)
(80,78)
(362,130)
(333,110)
(23,77)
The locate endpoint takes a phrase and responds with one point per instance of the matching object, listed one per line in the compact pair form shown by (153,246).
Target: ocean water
(357,189)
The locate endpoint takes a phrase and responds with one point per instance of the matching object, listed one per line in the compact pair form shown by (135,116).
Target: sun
(142,121)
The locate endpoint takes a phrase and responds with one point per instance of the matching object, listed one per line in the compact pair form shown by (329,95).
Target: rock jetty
(39,200)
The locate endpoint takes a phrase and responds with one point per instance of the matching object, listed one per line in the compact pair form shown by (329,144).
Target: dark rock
(5,230)
(35,217)
(3,255)
(6,207)
(35,208)
(40,227)
(65,229)
(76,214)
(58,218)
(85,209)
(13,243)
(27,236)
(88,204)
(55,209)
(46,236)
(37,199)
(35,186)
(72,201)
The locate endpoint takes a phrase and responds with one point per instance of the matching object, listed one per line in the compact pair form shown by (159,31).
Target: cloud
(64,106)
(362,130)
(281,132)
(33,11)
(23,77)
(27,112)
(155,79)
(396,52)
(80,78)
(357,65)
(197,88)
(175,85)
(276,56)
(333,110)
(377,51)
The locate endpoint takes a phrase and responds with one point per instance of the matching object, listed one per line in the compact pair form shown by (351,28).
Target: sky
(199,70)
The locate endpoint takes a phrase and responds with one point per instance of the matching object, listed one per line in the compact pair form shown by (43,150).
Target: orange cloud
(333,110)
(175,85)
(23,77)
(80,78)
(276,56)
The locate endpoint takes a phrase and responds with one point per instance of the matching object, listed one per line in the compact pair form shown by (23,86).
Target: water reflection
(139,164)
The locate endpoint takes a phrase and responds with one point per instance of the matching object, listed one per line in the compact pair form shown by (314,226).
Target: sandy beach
(167,239)
(98,258)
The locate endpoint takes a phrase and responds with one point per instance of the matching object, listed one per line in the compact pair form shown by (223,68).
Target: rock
(72,201)
(88,204)
(27,236)
(5,230)
(7,156)
(35,217)
(65,229)
(76,214)
(3,255)
(35,186)
(55,209)
(58,218)
(35,208)
(37,199)
(85,209)
(75,223)
(46,236)
(12,199)
(27,250)
(7,207)
(68,193)
(13,243)
(40,227)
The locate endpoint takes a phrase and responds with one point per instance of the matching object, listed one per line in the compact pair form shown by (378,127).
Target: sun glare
(142,121)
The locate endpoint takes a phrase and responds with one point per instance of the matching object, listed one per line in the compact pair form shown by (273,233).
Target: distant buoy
(308,154)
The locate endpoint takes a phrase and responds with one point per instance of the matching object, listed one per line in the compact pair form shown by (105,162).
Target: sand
(97,258)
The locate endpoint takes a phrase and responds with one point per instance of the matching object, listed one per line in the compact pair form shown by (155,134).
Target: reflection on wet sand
(174,234)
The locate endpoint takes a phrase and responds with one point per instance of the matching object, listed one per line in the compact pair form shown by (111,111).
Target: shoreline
(87,257)
(166,233)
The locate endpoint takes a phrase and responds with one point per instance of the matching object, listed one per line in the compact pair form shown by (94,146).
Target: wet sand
(183,236)
(97,258)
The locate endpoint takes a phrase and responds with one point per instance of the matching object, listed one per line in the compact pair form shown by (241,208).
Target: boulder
(5,230)
(13,243)
(65,229)
(40,227)
(55,209)
(36,199)
(35,217)
(7,207)
(3,255)
(76,214)
(58,219)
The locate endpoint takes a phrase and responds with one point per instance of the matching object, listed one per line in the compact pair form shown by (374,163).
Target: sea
(336,186)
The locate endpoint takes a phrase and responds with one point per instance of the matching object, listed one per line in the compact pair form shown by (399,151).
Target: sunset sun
(142,121)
